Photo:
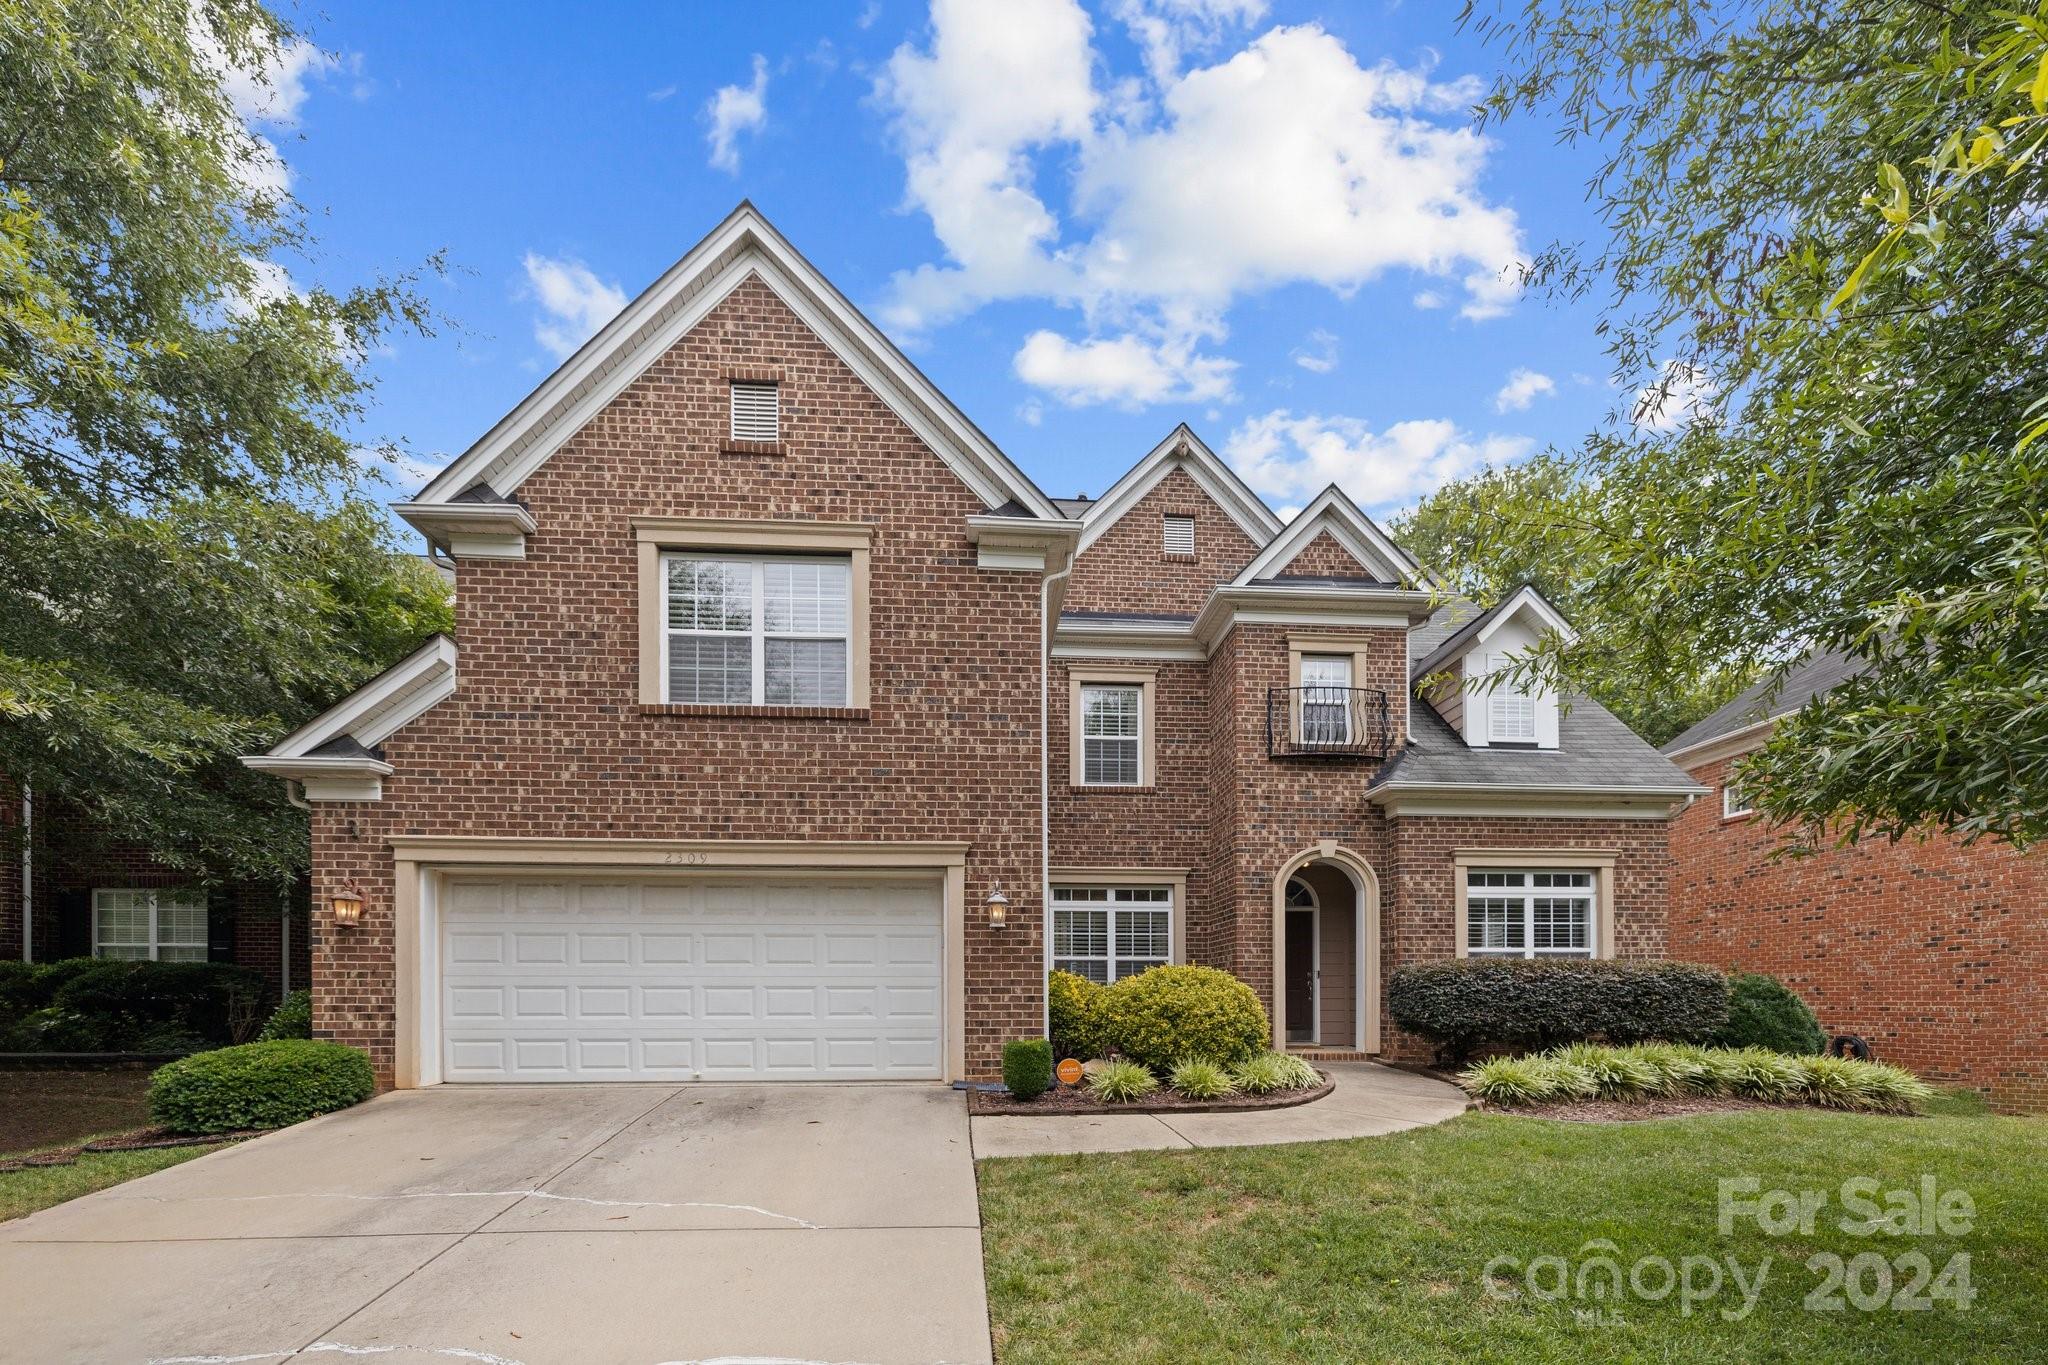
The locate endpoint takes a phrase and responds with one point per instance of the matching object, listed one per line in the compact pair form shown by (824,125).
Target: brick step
(1330,1054)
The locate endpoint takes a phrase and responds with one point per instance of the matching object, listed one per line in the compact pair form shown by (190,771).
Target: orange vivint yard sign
(1069,1072)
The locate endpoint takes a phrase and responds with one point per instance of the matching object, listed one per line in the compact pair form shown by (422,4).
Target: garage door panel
(552,978)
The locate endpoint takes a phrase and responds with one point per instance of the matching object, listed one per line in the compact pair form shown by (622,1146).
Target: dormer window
(756,411)
(1178,534)
(1511,715)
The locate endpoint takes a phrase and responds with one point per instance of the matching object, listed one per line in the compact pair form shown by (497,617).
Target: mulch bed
(1072,1101)
(1631,1111)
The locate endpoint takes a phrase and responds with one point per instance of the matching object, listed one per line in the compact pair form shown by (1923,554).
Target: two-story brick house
(754,754)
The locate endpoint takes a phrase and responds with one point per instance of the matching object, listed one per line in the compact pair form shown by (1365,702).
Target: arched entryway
(1326,937)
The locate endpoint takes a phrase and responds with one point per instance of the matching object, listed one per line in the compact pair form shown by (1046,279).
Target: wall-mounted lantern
(346,904)
(998,908)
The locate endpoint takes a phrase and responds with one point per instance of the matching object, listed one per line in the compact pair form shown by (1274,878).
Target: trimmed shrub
(54,1030)
(1463,1005)
(19,995)
(258,1085)
(1027,1067)
(1160,1016)
(1200,1079)
(1071,1005)
(1120,1082)
(1764,1012)
(292,1019)
(1271,1071)
(206,1002)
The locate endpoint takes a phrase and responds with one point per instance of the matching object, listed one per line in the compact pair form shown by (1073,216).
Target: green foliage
(1764,1012)
(258,1085)
(1200,1079)
(1649,1070)
(1825,258)
(19,990)
(1468,1003)
(1265,1072)
(1120,1082)
(1027,1067)
(1071,1003)
(1160,1016)
(97,1005)
(291,1019)
(189,566)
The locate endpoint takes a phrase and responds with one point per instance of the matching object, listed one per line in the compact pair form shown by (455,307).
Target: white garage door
(577,979)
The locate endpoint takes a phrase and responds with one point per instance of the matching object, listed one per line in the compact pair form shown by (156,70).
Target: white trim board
(1181,449)
(744,244)
(382,706)
(1332,511)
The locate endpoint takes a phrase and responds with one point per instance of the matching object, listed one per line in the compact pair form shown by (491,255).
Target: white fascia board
(1726,746)
(328,779)
(379,708)
(1286,604)
(1401,803)
(1019,545)
(471,530)
(1332,511)
(745,243)
(1126,639)
(1181,449)
(1527,599)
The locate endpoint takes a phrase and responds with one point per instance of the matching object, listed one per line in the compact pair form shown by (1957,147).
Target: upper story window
(1735,801)
(1106,933)
(1510,709)
(1325,699)
(1178,535)
(1516,913)
(757,630)
(756,411)
(161,926)
(1112,721)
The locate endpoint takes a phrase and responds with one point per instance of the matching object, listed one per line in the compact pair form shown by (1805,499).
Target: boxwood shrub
(1027,1067)
(292,1019)
(1071,1003)
(1168,1014)
(1464,1005)
(1764,1012)
(258,1085)
(166,1003)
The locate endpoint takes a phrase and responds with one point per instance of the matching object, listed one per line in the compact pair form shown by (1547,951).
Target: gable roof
(379,708)
(1595,752)
(744,245)
(1335,513)
(1181,449)
(1778,694)
(1475,629)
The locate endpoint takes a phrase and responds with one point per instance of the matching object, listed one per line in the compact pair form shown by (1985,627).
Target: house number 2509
(686,859)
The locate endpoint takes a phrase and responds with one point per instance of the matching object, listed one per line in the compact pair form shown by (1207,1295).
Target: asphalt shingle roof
(1594,749)
(1774,696)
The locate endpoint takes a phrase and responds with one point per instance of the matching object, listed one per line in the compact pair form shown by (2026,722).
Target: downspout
(28,874)
(1045,784)
(292,793)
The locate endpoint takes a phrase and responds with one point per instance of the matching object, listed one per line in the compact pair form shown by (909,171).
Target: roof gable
(1335,515)
(1181,449)
(1323,557)
(744,245)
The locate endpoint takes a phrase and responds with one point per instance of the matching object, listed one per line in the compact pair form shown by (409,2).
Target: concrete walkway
(517,1225)
(1369,1100)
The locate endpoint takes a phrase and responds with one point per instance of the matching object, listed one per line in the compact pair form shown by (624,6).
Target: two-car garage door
(547,978)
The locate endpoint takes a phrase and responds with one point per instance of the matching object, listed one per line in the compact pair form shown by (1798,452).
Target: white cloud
(1288,162)
(574,302)
(868,14)
(1320,356)
(1524,387)
(398,467)
(1126,370)
(1031,412)
(1682,395)
(667,92)
(1428,299)
(270,92)
(1291,457)
(736,109)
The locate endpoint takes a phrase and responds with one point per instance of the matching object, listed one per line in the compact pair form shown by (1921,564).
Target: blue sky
(1086,222)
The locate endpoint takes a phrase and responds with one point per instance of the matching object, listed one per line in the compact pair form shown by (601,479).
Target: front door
(1301,976)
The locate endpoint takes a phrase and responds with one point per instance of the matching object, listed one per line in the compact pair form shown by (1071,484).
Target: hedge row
(104,1005)
(1464,1005)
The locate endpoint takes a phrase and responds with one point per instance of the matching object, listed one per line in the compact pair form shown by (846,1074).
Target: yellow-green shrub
(1160,1016)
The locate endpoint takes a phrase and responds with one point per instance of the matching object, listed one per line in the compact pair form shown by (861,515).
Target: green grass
(24,1192)
(1377,1249)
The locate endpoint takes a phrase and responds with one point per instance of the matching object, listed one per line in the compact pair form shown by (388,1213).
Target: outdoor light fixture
(998,908)
(347,904)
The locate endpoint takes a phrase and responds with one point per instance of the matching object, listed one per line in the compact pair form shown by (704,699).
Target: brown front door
(1301,976)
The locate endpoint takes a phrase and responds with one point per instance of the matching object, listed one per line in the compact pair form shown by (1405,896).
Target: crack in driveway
(476,1194)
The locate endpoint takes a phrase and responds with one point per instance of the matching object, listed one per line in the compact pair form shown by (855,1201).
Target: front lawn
(38,1187)
(1381,1248)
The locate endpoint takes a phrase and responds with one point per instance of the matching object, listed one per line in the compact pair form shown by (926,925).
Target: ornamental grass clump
(1121,1082)
(1837,1083)
(1617,1073)
(1894,1089)
(1272,1071)
(1508,1080)
(1758,1073)
(1659,1070)
(1201,1079)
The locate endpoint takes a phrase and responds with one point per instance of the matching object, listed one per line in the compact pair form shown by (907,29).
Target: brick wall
(1933,951)
(1324,557)
(545,737)
(1125,569)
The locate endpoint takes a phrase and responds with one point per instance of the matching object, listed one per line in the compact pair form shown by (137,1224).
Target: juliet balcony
(1321,721)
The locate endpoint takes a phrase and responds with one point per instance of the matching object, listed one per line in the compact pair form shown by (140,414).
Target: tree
(1827,277)
(1531,523)
(188,563)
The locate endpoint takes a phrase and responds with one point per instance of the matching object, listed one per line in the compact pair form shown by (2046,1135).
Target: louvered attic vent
(756,412)
(1180,535)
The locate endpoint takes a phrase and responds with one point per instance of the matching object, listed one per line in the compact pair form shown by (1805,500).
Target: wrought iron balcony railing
(1327,722)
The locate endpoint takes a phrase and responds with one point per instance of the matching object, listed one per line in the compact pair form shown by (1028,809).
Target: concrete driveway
(531,1224)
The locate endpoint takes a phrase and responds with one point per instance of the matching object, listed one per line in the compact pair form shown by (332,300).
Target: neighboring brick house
(1933,951)
(752,754)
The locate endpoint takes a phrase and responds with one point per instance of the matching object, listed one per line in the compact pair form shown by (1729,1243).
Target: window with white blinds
(1112,721)
(756,411)
(1106,933)
(1529,913)
(757,630)
(1179,535)
(147,925)
(1511,711)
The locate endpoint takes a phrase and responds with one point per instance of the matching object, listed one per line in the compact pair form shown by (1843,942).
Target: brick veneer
(1324,557)
(544,736)
(1933,951)
(1125,569)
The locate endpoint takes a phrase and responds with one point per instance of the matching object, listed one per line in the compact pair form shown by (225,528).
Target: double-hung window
(1112,734)
(147,925)
(1734,800)
(757,630)
(1325,699)
(1106,933)
(1529,913)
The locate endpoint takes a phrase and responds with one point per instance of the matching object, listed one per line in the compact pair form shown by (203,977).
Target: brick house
(754,754)
(1933,951)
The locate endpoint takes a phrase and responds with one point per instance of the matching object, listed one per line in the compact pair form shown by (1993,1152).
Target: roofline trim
(1735,741)
(1333,511)
(1182,449)
(428,674)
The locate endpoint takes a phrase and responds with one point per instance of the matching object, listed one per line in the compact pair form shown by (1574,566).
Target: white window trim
(1146,680)
(1171,906)
(1732,799)
(1600,862)
(757,633)
(1528,895)
(157,898)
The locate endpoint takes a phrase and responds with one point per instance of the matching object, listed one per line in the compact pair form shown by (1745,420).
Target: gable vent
(1180,535)
(756,412)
